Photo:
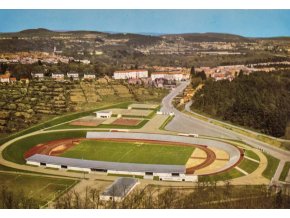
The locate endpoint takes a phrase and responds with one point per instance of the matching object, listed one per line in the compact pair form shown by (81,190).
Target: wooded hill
(259,101)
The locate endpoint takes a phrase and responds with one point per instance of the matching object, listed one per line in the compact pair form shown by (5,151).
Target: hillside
(259,101)
(211,37)
(25,104)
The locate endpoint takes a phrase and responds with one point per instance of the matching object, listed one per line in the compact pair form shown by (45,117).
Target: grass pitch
(40,189)
(130,152)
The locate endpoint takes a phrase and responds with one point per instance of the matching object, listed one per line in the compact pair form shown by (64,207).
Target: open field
(285,172)
(126,122)
(248,165)
(132,112)
(252,155)
(228,175)
(40,189)
(87,122)
(130,152)
(144,106)
(271,166)
(15,152)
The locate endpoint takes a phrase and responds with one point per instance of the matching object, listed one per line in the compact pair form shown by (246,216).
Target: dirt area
(220,154)
(147,106)
(216,165)
(110,120)
(126,122)
(132,112)
(87,121)
(203,161)
(55,147)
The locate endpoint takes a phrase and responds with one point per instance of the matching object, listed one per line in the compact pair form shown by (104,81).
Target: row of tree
(259,101)
(204,195)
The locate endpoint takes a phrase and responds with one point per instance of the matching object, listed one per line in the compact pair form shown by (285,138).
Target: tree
(192,71)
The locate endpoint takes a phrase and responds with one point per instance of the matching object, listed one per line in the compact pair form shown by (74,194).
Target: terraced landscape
(24,104)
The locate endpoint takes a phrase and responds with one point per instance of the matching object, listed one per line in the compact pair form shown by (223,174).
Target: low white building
(130,74)
(103,114)
(119,189)
(73,75)
(89,76)
(178,76)
(39,76)
(57,76)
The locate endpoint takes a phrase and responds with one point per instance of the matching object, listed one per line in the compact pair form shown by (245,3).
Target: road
(189,124)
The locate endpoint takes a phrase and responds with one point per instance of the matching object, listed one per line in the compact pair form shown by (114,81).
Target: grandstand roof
(105,165)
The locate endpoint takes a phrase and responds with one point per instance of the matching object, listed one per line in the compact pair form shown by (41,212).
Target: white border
(145,4)
(214,213)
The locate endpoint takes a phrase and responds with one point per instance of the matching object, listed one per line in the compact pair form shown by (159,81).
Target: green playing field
(40,189)
(130,152)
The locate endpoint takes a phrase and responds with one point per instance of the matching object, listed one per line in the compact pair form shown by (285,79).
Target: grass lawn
(40,189)
(233,173)
(248,165)
(285,171)
(252,155)
(16,150)
(271,166)
(130,152)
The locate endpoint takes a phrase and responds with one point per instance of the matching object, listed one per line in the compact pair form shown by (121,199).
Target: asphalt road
(189,124)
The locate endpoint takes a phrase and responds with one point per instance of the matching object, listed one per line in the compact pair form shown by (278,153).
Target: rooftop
(106,165)
(120,187)
(103,112)
(128,71)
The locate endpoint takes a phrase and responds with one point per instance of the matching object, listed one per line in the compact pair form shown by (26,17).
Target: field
(284,172)
(144,106)
(252,155)
(233,173)
(126,122)
(86,122)
(132,112)
(271,166)
(248,165)
(38,188)
(129,152)
(15,152)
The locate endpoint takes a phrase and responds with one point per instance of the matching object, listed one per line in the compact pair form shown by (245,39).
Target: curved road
(189,124)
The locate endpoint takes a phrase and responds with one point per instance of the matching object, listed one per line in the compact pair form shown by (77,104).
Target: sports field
(130,152)
(38,188)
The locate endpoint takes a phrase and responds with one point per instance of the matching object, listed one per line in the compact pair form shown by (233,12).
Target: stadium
(144,155)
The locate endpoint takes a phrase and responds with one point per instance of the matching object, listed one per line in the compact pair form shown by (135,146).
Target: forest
(258,101)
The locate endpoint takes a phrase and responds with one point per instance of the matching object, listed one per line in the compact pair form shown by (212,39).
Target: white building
(103,114)
(130,74)
(89,76)
(57,76)
(73,75)
(178,76)
(119,189)
(38,75)
(85,61)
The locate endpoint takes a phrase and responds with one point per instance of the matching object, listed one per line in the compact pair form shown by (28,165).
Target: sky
(251,23)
